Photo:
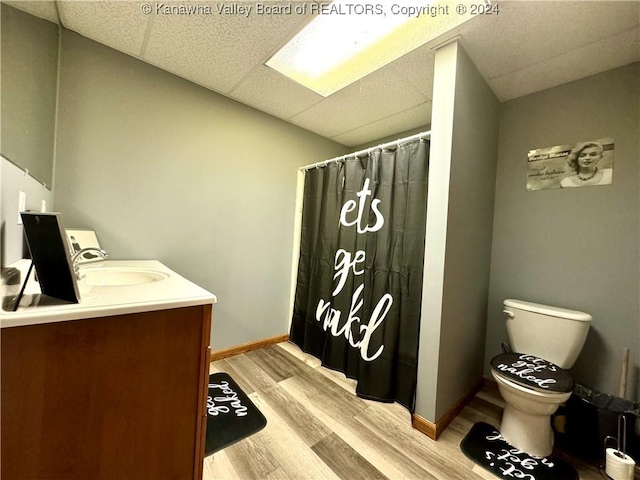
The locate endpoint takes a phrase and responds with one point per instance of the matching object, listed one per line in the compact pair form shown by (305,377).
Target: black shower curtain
(359,286)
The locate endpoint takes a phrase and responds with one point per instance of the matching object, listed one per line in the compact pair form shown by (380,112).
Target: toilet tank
(552,333)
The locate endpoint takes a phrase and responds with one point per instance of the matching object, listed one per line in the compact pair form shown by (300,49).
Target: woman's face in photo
(589,157)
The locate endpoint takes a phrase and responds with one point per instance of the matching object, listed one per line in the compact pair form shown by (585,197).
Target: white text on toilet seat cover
(526,368)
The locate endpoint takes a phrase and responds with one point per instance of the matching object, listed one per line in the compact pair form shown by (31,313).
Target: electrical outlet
(22,205)
(43,206)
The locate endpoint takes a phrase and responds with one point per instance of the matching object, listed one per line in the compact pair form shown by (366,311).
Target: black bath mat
(485,446)
(230,414)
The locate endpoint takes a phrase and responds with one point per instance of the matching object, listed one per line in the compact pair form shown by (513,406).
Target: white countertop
(174,291)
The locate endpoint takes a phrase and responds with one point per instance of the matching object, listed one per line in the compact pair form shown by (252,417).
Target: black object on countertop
(50,255)
(24,285)
(485,446)
(231,416)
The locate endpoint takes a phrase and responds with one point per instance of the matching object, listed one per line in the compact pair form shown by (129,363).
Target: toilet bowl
(534,380)
(526,420)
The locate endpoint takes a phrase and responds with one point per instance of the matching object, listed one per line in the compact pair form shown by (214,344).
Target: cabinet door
(204,390)
(104,398)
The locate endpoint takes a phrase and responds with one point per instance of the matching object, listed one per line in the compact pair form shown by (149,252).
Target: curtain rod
(367,150)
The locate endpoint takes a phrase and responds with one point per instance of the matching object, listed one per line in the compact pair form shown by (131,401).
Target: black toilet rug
(485,446)
(231,416)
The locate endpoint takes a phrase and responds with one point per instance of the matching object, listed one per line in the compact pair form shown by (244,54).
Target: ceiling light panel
(347,41)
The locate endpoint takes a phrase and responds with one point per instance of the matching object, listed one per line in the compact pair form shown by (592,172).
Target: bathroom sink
(119,276)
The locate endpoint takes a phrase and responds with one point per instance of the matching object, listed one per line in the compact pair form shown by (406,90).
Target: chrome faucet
(76,258)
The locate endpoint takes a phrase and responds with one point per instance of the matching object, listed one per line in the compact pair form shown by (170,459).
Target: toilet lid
(532,372)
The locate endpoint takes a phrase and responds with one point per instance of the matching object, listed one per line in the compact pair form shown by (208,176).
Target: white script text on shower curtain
(344,263)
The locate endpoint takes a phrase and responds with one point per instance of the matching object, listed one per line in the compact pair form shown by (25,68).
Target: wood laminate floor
(317,428)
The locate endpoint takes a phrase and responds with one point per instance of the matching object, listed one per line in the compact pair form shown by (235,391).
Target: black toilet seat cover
(533,372)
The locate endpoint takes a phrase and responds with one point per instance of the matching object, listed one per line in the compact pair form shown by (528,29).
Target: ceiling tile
(217,50)
(417,68)
(120,25)
(527,47)
(528,32)
(400,122)
(271,92)
(613,52)
(42,8)
(379,95)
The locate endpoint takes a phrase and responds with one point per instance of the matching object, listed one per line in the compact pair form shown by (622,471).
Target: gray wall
(467,262)
(575,248)
(164,169)
(29,87)
(458,245)
(12,181)
(29,84)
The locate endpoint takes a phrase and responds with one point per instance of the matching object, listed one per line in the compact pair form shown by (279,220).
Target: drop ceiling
(527,47)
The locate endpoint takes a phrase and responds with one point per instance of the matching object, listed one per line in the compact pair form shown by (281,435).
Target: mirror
(29,83)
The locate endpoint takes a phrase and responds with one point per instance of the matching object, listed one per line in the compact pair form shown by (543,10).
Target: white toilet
(532,379)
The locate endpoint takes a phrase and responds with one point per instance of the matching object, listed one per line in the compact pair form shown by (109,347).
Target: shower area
(392,249)
(359,279)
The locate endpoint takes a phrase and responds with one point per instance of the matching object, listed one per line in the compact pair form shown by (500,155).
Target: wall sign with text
(581,164)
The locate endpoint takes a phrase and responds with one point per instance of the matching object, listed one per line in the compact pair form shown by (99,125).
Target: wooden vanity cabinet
(118,397)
